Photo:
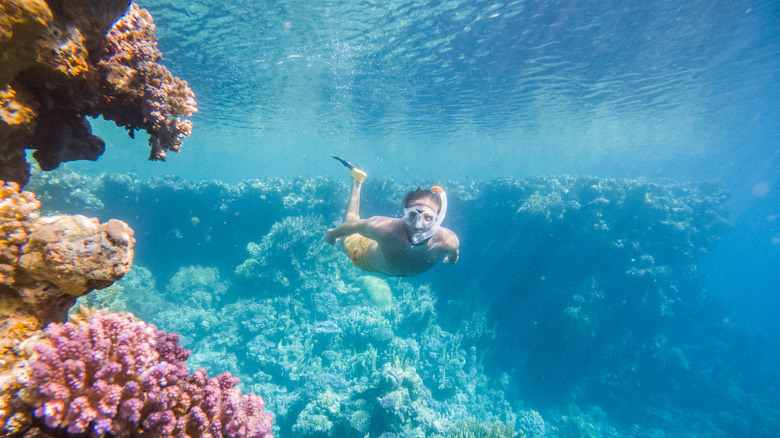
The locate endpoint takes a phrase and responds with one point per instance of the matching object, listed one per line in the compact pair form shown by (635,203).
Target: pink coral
(116,374)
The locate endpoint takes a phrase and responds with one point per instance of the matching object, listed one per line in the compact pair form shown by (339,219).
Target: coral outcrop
(99,373)
(46,263)
(115,374)
(65,61)
(132,58)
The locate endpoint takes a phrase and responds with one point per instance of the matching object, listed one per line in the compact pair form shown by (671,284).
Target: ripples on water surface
(450,66)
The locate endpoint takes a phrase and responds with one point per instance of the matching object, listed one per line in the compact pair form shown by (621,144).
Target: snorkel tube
(418,238)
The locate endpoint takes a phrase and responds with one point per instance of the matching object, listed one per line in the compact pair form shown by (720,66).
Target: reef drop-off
(583,311)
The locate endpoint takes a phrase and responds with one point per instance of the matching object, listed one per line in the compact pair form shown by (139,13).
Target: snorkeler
(396,247)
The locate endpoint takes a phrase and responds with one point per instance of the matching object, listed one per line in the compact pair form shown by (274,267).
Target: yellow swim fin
(356,173)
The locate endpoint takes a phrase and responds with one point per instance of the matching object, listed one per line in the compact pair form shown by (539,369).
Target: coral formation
(45,264)
(18,212)
(17,335)
(48,262)
(375,290)
(116,374)
(345,365)
(64,61)
(133,58)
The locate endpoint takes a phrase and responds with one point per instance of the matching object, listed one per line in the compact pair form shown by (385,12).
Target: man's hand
(452,257)
(330,236)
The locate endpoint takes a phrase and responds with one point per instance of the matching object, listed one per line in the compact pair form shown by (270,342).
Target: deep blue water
(453,90)
(465,90)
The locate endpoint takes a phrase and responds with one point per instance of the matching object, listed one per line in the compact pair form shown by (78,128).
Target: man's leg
(358,176)
(353,206)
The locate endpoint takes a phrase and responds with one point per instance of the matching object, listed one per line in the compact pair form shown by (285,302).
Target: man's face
(420,216)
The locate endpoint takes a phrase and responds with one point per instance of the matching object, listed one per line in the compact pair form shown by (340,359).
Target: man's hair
(414,196)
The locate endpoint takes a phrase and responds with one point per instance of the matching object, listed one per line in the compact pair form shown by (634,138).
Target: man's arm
(374,228)
(452,243)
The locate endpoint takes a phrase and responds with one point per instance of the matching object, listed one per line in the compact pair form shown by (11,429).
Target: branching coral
(63,61)
(116,374)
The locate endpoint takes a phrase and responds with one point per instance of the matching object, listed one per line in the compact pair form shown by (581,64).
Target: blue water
(467,90)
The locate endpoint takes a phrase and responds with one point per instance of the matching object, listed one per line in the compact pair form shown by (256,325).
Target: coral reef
(115,374)
(585,312)
(297,322)
(64,61)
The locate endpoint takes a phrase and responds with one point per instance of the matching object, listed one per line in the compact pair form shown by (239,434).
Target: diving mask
(420,216)
(423,220)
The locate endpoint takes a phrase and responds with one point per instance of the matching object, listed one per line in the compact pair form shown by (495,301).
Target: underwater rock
(376,290)
(46,263)
(64,61)
(69,256)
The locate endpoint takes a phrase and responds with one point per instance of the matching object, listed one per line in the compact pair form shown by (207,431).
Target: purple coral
(116,374)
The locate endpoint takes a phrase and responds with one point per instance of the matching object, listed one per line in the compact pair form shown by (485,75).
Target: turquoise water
(649,102)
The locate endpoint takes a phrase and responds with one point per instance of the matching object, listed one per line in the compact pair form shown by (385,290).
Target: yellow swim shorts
(356,247)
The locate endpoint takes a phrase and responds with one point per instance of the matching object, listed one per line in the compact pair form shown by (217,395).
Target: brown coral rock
(60,65)
(22,25)
(46,263)
(91,17)
(17,335)
(163,98)
(75,254)
(18,213)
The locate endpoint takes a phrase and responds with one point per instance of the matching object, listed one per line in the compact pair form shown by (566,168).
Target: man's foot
(356,173)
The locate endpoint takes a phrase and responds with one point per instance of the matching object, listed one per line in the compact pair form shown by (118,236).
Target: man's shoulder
(447,238)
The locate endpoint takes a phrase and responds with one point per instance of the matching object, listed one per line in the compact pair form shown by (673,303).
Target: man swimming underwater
(396,247)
